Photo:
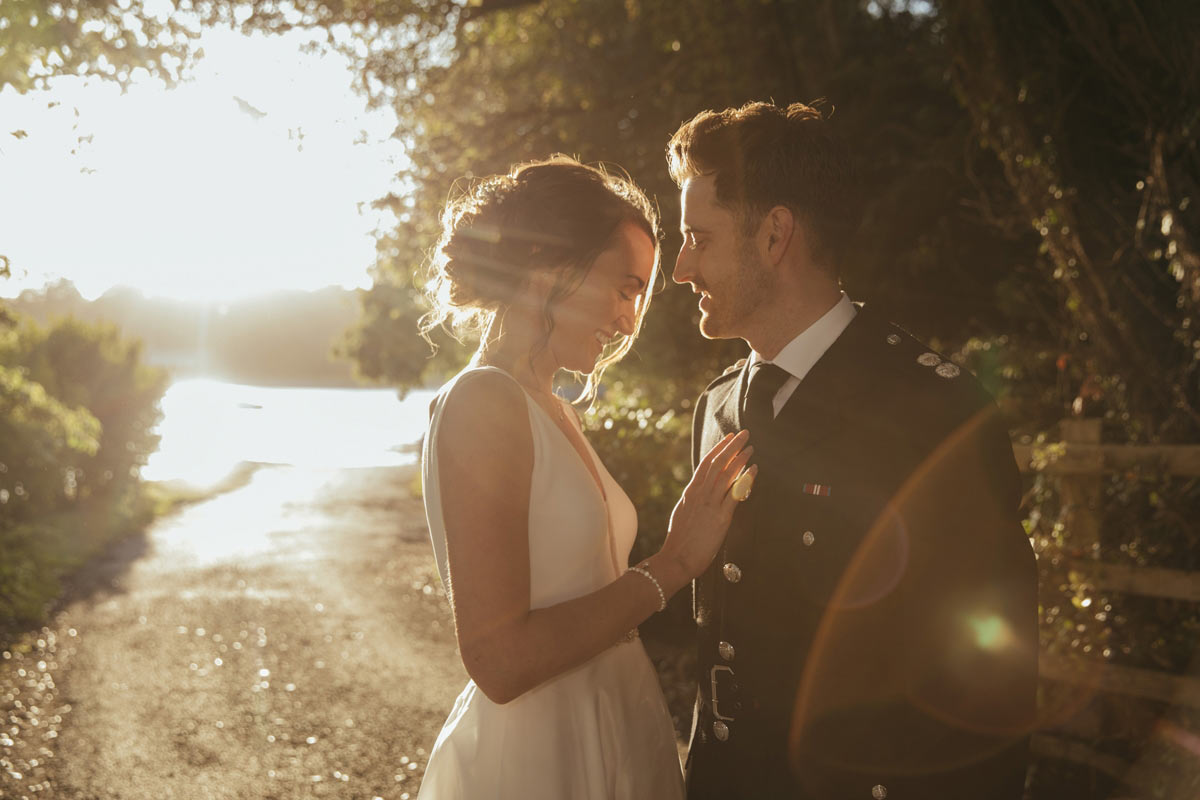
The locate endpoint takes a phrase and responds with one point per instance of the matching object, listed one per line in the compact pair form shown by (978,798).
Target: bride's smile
(607,303)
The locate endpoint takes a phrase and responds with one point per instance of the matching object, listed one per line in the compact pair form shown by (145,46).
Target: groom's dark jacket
(877,595)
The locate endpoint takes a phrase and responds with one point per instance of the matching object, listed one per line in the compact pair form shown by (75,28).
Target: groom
(870,628)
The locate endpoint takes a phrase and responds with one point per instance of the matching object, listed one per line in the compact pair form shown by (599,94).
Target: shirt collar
(800,354)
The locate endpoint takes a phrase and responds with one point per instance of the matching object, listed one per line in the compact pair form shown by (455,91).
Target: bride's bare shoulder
(484,412)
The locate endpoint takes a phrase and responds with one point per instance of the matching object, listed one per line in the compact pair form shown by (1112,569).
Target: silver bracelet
(662,598)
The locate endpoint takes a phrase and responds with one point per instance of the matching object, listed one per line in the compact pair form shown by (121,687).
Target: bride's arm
(485,462)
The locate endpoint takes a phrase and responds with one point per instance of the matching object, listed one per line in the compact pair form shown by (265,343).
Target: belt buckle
(718,668)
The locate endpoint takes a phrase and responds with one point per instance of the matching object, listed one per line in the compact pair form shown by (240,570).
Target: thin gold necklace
(537,394)
(555,401)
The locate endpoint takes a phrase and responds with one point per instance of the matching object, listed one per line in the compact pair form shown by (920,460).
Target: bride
(554,265)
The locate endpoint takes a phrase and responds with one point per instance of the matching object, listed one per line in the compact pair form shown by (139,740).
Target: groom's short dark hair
(765,155)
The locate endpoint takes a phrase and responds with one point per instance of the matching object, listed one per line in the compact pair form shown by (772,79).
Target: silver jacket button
(726,650)
(733,573)
(721,731)
(947,370)
(879,791)
(893,338)
(808,538)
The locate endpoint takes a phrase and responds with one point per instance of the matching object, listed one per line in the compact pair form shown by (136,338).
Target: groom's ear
(776,233)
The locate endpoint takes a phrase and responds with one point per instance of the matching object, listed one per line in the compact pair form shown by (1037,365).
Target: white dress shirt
(800,354)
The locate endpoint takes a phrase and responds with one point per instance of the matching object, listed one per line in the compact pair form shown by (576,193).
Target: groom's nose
(683,269)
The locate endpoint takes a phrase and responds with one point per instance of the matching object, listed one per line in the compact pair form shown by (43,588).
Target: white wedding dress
(599,731)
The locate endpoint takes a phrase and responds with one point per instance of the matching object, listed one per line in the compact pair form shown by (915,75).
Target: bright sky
(187,194)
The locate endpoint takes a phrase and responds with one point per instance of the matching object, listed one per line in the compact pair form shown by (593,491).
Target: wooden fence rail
(1174,584)
(1134,681)
(1182,460)
(1079,463)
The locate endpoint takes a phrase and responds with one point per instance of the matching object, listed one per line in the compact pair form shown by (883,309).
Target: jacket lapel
(818,409)
(725,401)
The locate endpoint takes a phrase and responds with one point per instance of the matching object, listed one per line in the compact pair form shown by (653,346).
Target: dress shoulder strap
(429,467)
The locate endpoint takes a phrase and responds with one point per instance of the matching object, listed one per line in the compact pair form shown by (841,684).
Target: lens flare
(991,632)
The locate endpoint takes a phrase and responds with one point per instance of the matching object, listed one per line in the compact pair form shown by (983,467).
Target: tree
(77,411)
(42,40)
(93,367)
(1092,111)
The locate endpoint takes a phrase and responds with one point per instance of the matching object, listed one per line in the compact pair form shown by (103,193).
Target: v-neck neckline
(594,477)
(586,457)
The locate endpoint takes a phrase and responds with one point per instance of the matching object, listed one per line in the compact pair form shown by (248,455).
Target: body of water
(210,426)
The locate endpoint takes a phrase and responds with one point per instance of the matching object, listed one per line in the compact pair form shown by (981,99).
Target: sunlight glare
(209,427)
(270,508)
(254,175)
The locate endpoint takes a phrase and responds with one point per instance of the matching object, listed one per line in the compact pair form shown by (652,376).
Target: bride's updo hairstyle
(553,216)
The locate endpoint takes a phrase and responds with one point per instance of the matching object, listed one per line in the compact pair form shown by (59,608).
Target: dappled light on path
(249,523)
(286,639)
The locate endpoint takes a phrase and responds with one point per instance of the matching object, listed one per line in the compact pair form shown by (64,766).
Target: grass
(41,557)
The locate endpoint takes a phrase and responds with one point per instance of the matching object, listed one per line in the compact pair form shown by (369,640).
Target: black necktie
(765,382)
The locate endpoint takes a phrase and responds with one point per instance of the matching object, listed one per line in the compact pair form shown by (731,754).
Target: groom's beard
(735,297)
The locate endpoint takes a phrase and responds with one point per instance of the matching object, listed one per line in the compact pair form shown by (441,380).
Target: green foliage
(41,40)
(1091,114)
(1090,111)
(384,345)
(91,366)
(44,444)
(6,319)
(76,411)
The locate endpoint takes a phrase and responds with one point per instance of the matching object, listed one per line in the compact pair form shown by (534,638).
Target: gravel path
(287,639)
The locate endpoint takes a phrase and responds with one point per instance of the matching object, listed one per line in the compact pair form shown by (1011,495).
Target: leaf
(249,109)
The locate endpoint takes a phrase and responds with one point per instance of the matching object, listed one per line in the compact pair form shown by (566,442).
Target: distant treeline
(284,338)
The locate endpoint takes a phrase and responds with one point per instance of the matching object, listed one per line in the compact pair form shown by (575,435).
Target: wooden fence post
(1082,494)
